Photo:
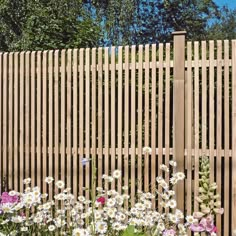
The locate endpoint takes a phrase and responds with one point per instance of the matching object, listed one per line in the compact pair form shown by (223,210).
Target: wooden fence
(57,107)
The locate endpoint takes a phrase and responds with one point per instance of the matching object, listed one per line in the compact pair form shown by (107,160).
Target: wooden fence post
(233,137)
(179,110)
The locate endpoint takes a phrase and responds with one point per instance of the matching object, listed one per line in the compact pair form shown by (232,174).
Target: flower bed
(105,213)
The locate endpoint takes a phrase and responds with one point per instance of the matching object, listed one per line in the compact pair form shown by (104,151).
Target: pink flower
(197,228)
(102,200)
(6,198)
(169,232)
(206,224)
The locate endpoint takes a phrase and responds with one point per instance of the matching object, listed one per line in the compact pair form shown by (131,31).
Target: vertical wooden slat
(45,126)
(211,110)
(5,117)
(126,121)
(56,117)
(33,118)
(39,95)
(146,135)
(219,126)
(204,99)
(140,116)
(154,128)
(68,117)
(16,117)
(167,106)
(10,134)
(120,105)
(113,112)
(160,111)
(27,114)
(81,117)
(196,121)
(189,128)
(87,115)
(133,123)
(233,227)
(50,119)
(94,114)
(106,104)
(63,114)
(1,130)
(75,122)
(226,139)
(1,121)
(178,113)
(21,160)
(100,147)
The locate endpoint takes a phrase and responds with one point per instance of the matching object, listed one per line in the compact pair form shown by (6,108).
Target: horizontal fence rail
(58,107)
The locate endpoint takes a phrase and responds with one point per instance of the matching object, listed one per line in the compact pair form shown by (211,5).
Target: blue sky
(230,3)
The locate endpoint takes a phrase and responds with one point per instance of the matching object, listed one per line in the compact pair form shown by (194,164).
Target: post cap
(179,33)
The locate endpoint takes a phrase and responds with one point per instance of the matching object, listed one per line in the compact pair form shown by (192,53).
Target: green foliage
(37,25)
(151,21)
(130,231)
(225,26)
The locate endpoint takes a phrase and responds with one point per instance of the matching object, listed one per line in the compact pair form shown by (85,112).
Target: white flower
(80,232)
(97,215)
(81,198)
(99,189)
(125,187)
(111,212)
(27,181)
(160,227)
(147,150)
(120,216)
(173,163)
(23,229)
(164,168)
(13,193)
(173,180)
(49,179)
(44,195)
(172,203)
(171,193)
(17,219)
(116,226)
(38,219)
(173,218)
(190,219)
(51,228)
(101,227)
(179,214)
(111,202)
(180,176)
(60,184)
(110,179)
(163,184)
(140,206)
(104,176)
(116,174)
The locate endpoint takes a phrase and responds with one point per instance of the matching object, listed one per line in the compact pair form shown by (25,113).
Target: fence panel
(106,104)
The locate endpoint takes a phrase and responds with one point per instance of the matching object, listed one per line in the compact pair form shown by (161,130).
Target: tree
(41,24)
(151,21)
(225,26)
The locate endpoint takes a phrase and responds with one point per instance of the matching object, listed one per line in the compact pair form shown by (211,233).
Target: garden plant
(29,212)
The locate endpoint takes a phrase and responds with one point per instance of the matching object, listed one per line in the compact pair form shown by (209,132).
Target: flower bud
(219,210)
(198,199)
(206,210)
